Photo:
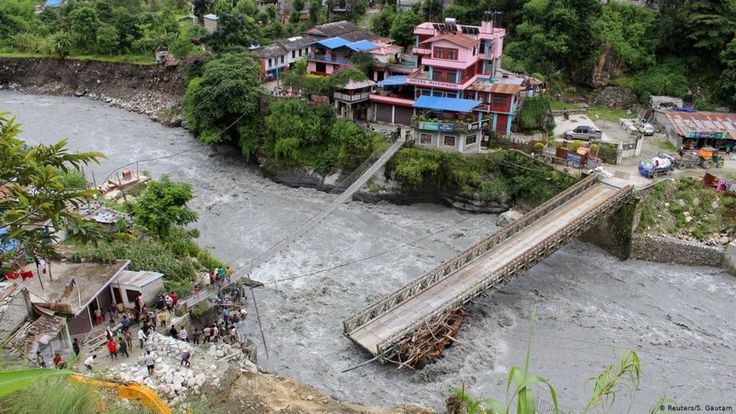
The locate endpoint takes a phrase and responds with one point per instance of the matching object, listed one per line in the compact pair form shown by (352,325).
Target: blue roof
(395,80)
(54,3)
(446,104)
(362,45)
(333,42)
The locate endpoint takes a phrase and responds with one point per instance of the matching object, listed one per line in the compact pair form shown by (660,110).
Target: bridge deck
(417,307)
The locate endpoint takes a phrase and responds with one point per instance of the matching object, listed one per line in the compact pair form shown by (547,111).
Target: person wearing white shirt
(142,337)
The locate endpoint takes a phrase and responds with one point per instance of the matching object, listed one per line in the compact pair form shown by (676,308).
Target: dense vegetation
(502,176)
(685,208)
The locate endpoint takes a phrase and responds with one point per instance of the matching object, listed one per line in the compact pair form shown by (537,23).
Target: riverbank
(675,316)
(151,90)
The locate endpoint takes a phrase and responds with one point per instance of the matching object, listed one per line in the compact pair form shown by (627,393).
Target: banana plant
(12,381)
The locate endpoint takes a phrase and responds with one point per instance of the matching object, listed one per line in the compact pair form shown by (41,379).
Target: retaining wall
(671,250)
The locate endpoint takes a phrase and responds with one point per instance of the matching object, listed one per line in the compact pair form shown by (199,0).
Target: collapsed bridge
(406,326)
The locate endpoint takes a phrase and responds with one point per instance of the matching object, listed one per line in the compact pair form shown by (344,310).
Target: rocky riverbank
(151,90)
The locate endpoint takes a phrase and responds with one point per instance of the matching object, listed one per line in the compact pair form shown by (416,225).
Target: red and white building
(454,94)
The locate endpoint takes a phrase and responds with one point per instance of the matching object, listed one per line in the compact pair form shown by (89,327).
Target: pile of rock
(173,381)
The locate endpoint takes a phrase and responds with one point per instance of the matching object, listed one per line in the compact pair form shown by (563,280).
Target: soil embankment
(152,90)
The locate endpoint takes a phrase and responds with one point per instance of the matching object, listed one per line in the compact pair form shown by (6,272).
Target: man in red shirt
(174,298)
(112,347)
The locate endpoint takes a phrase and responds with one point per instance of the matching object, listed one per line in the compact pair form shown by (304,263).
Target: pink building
(453,94)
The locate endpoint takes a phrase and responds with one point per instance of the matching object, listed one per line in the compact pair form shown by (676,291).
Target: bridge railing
(449,266)
(546,247)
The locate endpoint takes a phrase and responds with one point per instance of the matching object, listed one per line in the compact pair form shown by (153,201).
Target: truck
(706,157)
(584,133)
(662,164)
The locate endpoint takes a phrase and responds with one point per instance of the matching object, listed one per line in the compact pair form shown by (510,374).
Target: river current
(590,306)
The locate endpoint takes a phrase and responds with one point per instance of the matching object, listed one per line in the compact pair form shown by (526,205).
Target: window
(269,63)
(452,76)
(449,141)
(425,139)
(470,140)
(282,59)
(300,53)
(437,75)
(293,54)
(425,92)
(444,53)
(497,100)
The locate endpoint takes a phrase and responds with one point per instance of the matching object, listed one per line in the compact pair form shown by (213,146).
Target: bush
(665,78)
(533,113)
(499,176)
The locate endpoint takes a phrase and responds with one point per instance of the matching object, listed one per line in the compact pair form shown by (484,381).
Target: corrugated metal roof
(139,279)
(505,88)
(270,51)
(446,104)
(333,29)
(333,42)
(362,46)
(686,122)
(393,81)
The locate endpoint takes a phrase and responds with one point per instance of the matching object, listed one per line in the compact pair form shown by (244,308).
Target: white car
(646,129)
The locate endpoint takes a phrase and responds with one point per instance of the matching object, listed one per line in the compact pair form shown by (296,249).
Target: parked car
(584,132)
(646,128)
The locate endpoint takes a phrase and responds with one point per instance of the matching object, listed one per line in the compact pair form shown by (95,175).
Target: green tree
(226,97)
(163,206)
(355,143)
(382,22)
(83,23)
(32,177)
(233,30)
(711,24)
(402,28)
(315,9)
(727,82)
(108,39)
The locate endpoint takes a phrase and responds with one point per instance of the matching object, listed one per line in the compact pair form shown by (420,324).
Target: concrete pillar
(729,259)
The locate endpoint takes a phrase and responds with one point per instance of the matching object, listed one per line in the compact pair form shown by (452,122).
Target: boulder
(508,217)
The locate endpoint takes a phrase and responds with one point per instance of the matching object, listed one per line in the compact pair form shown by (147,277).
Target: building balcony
(328,58)
(358,97)
(420,50)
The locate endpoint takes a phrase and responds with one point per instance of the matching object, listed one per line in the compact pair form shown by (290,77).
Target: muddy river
(591,307)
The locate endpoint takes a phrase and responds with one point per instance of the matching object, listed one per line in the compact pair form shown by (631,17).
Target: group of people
(119,333)
(220,275)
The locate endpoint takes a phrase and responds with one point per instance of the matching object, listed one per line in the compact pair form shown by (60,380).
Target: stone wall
(613,232)
(670,250)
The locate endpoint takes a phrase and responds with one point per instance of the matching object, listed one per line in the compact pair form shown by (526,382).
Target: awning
(395,80)
(446,104)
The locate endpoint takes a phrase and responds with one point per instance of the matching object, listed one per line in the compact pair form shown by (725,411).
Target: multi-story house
(328,56)
(281,55)
(453,95)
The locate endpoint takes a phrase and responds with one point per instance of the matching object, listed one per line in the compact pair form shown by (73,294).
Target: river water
(590,306)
